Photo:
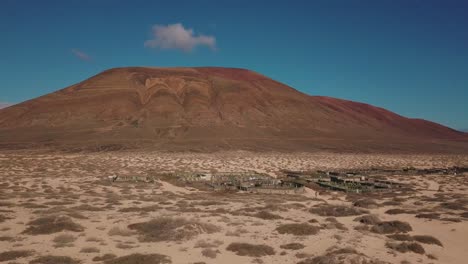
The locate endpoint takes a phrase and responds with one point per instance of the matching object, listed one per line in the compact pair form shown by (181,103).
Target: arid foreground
(62,208)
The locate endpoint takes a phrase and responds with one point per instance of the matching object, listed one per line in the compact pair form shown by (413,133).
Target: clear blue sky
(408,56)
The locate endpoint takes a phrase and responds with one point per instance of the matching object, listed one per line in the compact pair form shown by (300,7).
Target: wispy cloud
(81,55)
(5,104)
(176,36)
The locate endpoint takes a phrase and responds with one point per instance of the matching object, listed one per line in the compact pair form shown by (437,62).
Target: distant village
(294,182)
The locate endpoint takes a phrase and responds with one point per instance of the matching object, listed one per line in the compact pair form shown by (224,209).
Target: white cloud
(175,36)
(81,55)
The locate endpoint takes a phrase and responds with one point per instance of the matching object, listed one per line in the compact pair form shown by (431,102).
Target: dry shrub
(366,203)
(342,256)
(251,250)
(6,238)
(427,240)
(210,253)
(64,240)
(401,237)
(390,227)
(336,210)
(397,211)
(453,205)
(93,239)
(451,219)
(293,246)
(332,223)
(140,259)
(464,214)
(303,229)
(391,203)
(266,215)
(52,224)
(90,250)
(54,260)
(3,218)
(104,257)
(87,207)
(428,215)
(406,247)
(171,229)
(368,219)
(118,231)
(208,244)
(238,232)
(145,209)
(15,254)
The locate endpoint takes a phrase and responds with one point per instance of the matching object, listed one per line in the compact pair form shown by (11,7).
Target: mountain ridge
(209,109)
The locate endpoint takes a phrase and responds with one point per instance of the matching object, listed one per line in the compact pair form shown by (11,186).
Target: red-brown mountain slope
(206,109)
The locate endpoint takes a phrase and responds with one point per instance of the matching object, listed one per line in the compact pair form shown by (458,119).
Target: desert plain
(62,208)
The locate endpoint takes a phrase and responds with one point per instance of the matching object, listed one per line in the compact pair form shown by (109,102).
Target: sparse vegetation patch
(52,224)
(171,229)
(15,254)
(390,227)
(140,259)
(336,210)
(303,229)
(251,250)
(54,260)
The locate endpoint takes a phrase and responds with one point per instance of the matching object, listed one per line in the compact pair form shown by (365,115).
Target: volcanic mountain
(209,109)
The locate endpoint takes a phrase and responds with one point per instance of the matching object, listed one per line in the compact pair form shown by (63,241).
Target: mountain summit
(209,109)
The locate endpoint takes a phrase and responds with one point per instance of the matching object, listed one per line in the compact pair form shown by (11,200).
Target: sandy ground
(92,217)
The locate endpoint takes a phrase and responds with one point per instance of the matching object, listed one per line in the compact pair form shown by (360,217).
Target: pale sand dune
(34,186)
